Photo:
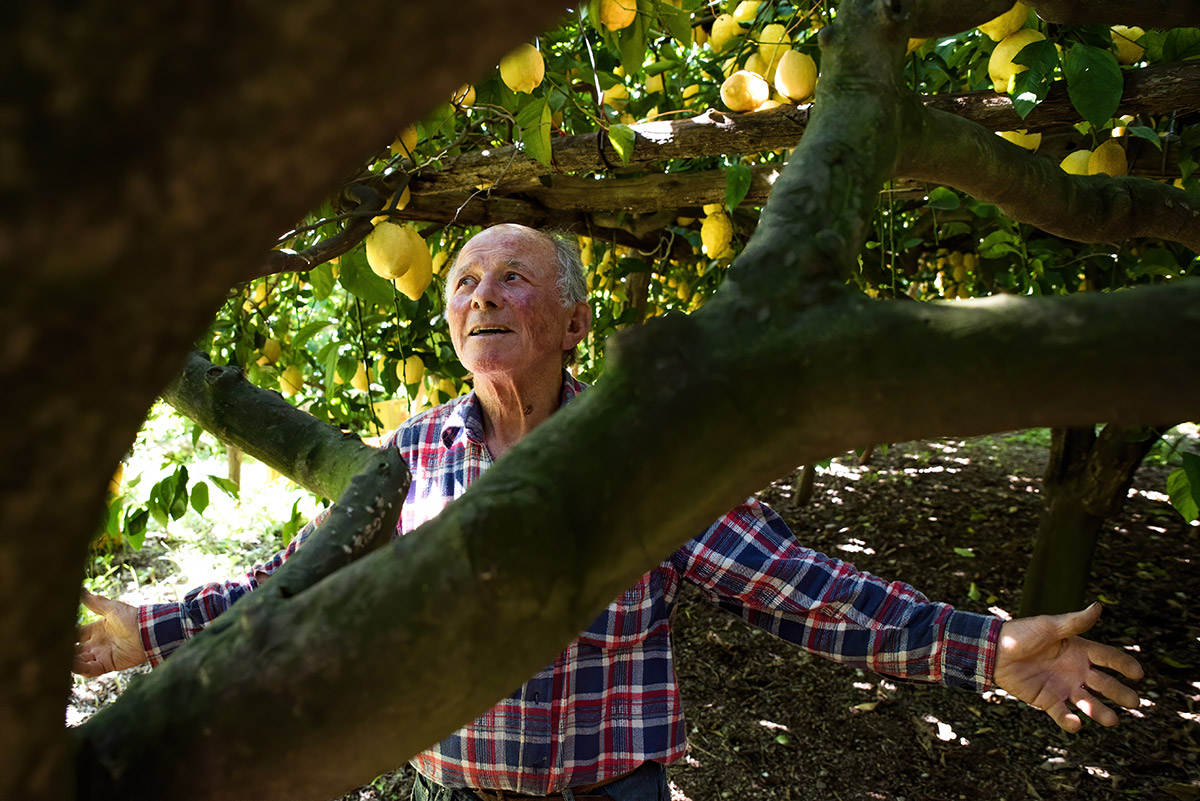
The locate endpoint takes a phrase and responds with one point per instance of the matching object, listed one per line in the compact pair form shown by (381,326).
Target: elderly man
(605,717)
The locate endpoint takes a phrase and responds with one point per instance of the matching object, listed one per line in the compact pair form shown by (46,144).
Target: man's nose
(486,293)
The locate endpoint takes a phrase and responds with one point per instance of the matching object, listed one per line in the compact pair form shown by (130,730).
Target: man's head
(516,299)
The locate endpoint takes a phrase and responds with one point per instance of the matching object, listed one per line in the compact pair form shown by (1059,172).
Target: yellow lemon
(419,275)
(522,69)
(393,203)
(744,91)
(1125,40)
(773,42)
(914,45)
(796,77)
(616,96)
(439,261)
(617,14)
(745,12)
(411,370)
(690,92)
(463,95)
(291,380)
(716,232)
(1007,23)
(654,84)
(699,35)
(271,351)
(1076,163)
(1108,159)
(391,249)
(406,143)
(1022,138)
(391,413)
(360,381)
(724,30)
(1001,67)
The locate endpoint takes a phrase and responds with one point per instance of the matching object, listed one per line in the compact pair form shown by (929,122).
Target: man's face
(504,309)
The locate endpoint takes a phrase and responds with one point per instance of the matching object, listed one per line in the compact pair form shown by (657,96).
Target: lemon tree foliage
(335,339)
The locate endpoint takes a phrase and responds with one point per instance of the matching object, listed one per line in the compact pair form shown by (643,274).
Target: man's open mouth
(487,330)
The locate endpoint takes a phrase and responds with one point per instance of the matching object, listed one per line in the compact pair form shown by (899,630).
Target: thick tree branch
(317,456)
(280,261)
(938,18)
(947,149)
(1146,13)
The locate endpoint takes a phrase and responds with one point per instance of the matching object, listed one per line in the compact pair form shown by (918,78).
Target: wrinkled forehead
(507,245)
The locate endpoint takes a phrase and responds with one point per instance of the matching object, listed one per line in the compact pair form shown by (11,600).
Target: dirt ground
(770,722)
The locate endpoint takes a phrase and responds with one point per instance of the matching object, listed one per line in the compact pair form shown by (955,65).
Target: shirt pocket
(632,617)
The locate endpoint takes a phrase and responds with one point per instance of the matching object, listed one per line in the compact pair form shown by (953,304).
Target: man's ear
(578,325)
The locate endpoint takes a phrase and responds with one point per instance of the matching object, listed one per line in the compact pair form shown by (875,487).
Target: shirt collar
(465,421)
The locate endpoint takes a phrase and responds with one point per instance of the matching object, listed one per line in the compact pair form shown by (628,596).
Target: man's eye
(511,277)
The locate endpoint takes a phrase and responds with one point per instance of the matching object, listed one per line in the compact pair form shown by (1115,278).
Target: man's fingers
(1075,623)
(1115,659)
(1112,689)
(1066,719)
(97,603)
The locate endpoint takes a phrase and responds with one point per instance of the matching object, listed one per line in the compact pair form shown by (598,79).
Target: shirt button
(537,696)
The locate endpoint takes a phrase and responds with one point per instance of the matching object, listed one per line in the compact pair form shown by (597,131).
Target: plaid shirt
(610,700)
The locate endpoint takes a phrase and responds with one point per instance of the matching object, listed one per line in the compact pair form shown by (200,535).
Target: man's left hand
(1044,662)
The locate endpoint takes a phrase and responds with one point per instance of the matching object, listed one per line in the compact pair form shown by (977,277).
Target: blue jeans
(647,783)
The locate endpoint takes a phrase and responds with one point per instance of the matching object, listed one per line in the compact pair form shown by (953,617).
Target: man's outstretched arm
(114,642)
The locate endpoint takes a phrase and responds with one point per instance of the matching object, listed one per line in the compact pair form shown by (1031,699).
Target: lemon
(1076,163)
(756,65)
(1022,138)
(714,208)
(360,381)
(690,92)
(914,45)
(745,12)
(1001,67)
(1007,23)
(522,70)
(716,232)
(1108,159)
(406,142)
(773,42)
(464,95)
(439,261)
(118,477)
(617,14)
(393,203)
(417,278)
(796,77)
(699,35)
(391,413)
(654,84)
(724,30)
(616,96)
(411,370)
(391,249)
(744,91)
(1125,40)
(271,351)
(291,380)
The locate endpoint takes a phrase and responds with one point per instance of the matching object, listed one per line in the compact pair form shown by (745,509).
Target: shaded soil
(769,721)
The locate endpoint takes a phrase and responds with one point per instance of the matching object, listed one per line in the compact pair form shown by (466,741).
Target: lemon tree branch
(946,149)
(1147,13)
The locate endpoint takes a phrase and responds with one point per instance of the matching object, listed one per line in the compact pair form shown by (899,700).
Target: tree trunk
(1087,479)
(233,457)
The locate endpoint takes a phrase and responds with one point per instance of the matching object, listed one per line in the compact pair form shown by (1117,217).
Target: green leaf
(1094,83)
(631,42)
(622,138)
(943,199)
(321,278)
(230,488)
(1144,132)
(1181,44)
(737,184)
(534,120)
(1183,485)
(307,332)
(179,504)
(965,552)
(135,527)
(331,366)
(359,280)
(973,592)
(200,497)
(1031,86)
(676,22)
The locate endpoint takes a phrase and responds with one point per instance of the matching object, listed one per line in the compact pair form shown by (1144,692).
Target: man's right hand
(112,643)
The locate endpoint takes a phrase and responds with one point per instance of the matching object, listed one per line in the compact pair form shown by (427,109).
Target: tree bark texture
(674,389)
(148,156)
(315,455)
(1087,480)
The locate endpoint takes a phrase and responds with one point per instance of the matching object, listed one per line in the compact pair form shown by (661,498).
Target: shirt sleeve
(164,627)
(750,564)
